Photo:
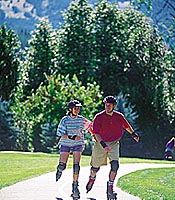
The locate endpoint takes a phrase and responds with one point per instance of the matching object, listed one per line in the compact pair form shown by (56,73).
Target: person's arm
(103,144)
(61,129)
(133,134)
(88,126)
(174,142)
(130,130)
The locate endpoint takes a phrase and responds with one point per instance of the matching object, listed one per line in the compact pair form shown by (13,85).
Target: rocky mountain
(22,15)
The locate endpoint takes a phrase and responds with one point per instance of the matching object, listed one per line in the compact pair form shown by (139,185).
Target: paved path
(45,188)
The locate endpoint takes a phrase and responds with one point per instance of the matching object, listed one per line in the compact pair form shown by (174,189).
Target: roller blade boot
(90,183)
(111,195)
(58,174)
(75,191)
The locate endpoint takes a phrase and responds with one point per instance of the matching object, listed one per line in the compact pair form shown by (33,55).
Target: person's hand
(135,136)
(77,137)
(107,148)
(74,137)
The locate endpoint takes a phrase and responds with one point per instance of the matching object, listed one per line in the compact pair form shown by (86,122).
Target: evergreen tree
(9,61)
(8,133)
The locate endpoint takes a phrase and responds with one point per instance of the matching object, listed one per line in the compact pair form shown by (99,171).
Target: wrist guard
(103,144)
(72,137)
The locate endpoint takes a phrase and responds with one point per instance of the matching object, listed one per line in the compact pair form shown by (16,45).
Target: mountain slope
(22,15)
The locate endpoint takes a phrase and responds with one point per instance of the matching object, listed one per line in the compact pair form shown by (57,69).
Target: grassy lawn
(152,184)
(18,166)
(148,184)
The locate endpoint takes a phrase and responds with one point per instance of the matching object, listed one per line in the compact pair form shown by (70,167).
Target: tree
(9,61)
(47,106)
(162,14)
(131,58)
(38,59)
(76,43)
(107,46)
(169,92)
(117,48)
(8,133)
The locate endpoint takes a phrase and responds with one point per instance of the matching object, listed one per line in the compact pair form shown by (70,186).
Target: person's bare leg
(112,175)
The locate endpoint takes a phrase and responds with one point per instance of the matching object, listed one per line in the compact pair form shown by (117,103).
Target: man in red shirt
(108,127)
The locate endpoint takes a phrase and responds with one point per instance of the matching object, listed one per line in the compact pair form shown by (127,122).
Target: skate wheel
(74,198)
(112,198)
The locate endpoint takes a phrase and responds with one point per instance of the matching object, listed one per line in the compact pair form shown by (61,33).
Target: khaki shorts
(100,157)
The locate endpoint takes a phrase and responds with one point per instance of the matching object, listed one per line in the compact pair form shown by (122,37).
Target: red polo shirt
(110,128)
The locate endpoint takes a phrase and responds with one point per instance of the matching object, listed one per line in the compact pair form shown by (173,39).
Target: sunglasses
(77,108)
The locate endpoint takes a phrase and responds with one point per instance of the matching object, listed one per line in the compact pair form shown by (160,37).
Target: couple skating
(107,128)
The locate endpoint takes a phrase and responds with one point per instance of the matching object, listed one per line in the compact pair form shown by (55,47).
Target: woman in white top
(70,129)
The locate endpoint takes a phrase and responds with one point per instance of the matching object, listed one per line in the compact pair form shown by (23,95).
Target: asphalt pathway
(46,188)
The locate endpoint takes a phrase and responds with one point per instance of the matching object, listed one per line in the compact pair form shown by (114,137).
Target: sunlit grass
(18,166)
(142,160)
(150,184)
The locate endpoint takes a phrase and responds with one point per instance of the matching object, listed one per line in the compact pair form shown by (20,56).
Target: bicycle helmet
(110,99)
(74,103)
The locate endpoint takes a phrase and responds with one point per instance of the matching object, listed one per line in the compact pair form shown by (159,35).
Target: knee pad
(95,169)
(76,168)
(114,165)
(61,166)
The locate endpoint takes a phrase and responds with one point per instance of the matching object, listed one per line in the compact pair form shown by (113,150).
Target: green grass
(148,184)
(140,160)
(18,166)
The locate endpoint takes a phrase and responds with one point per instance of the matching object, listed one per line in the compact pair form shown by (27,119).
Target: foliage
(40,61)
(9,60)
(131,58)
(8,133)
(107,45)
(125,107)
(38,58)
(47,105)
(169,92)
(118,49)
(162,14)
(147,4)
(76,42)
